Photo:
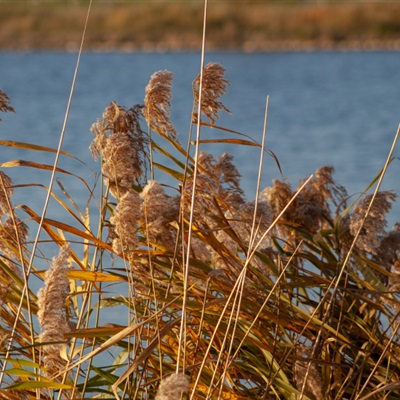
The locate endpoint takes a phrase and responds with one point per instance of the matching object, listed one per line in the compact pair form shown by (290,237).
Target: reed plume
(52,311)
(374,227)
(217,191)
(172,387)
(125,222)
(278,196)
(207,190)
(229,177)
(311,208)
(388,250)
(216,179)
(241,231)
(13,232)
(6,190)
(159,211)
(157,103)
(5,103)
(121,144)
(214,85)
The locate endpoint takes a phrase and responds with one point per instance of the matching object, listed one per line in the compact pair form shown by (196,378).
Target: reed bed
(293,295)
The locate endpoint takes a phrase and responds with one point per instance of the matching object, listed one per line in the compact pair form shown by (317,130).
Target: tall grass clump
(189,290)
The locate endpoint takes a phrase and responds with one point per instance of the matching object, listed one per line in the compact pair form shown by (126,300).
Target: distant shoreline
(274,47)
(249,27)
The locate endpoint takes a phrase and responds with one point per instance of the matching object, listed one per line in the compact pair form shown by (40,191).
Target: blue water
(336,108)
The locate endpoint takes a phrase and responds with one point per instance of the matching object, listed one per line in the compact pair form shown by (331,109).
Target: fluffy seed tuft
(125,222)
(373,228)
(157,103)
(52,310)
(5,103)
(121,144)
(214,85)
(172,387)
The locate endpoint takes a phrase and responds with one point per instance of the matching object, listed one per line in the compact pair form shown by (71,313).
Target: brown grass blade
(31,146)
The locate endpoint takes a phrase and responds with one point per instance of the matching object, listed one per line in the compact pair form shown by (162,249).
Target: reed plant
(190,290)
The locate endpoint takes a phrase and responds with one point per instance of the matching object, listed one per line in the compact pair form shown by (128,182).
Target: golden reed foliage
(263,324)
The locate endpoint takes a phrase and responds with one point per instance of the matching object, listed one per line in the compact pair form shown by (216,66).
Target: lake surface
(325,108)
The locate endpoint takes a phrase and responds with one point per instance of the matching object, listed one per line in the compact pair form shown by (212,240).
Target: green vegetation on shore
(160,25)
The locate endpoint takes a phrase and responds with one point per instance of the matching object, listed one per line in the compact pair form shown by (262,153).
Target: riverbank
(249,26)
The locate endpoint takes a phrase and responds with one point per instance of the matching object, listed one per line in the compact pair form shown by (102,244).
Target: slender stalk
(250,246)
(195,173)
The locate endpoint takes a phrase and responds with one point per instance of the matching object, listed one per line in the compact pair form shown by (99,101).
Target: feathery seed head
(172,387)
(278,195)
(241,221)
(11,235)
(99,130)
(229,176)
(159,210)
(119,119)
(373,227)
(394,280)
(214,85)
(310,210)
(6,190)
(5,103)
(122,163)
(52,310)
(389,248)
(121,144)
(157,103)
(125,220)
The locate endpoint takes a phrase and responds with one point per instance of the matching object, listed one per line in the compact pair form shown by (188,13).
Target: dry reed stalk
(214,85)
(157,103)
(172,387)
